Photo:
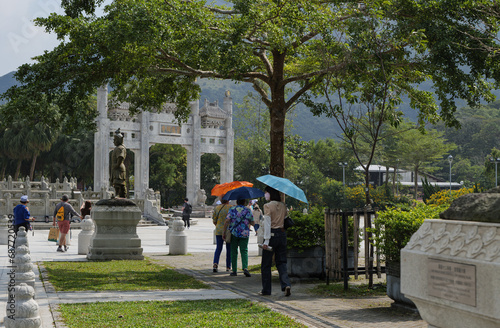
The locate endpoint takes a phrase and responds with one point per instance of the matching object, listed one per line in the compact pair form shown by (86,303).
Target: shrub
(308,231)
(445,197)
(394,228)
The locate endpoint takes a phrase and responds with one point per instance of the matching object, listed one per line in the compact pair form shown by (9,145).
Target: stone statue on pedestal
(118,170)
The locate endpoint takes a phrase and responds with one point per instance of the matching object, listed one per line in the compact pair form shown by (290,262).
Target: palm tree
(39,139)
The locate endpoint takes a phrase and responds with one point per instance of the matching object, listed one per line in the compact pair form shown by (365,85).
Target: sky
(20,39)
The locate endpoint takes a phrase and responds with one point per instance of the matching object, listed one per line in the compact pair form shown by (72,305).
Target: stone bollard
(4,230)
(22,238)
(85,235)
(22,309)
(169,231)
(178,239)
(24,266)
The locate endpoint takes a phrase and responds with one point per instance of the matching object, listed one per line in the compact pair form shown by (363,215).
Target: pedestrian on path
(219,218)
(186,213)
(62,213)
(274,242)
(239,219)
(257,217)
(22,216)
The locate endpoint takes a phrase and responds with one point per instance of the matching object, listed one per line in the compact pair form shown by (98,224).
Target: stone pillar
(102,141)
(4,230)
(178,239)
(141,173)
(115,236)
(227,161)
(194,156)
(170,224)
(22,238)
(85,235)
(8,199)
(22,312)
(24,266)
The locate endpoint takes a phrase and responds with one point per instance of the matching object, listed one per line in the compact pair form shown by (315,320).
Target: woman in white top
(274,236)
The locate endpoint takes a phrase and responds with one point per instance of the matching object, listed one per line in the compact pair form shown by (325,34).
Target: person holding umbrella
(239,219)
(275,212)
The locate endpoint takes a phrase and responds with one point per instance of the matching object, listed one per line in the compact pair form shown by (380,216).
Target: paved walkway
(309,309)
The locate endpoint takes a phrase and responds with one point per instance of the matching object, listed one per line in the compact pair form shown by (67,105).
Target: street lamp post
(496,161)
(344,165)
(450,159)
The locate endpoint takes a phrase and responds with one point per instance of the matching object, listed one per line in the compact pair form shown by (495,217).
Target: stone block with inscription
(115,235)
(451,271)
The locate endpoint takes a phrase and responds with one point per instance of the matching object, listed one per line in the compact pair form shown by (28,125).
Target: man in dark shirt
(186,213)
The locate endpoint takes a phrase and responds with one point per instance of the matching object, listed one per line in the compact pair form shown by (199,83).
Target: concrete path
(309,309)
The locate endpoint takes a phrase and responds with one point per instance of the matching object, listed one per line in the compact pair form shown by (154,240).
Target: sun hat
(24,199)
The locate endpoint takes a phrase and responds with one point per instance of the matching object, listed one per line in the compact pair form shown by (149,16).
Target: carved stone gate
(208,130)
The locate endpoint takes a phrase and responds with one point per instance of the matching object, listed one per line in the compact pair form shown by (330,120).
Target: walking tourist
(85,210)
(186,213)
(239,219)
(257,216)
(22,215)
(219,218)
(274,242)
(62,213)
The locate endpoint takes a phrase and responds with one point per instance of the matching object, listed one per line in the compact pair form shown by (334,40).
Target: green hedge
(394,228)
(308,231)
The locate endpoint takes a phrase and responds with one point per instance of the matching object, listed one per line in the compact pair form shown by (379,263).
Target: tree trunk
(32,168)
(367,185)
(18,170)
(394,180)
(416,182)
(277,113)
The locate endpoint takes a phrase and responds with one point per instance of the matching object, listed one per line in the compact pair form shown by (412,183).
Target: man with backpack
(62,214)
(186,213)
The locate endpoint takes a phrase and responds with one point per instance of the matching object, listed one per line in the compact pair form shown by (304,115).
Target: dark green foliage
(429,189)
(308,231)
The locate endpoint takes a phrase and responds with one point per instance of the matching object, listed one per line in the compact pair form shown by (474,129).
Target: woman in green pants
(239,219)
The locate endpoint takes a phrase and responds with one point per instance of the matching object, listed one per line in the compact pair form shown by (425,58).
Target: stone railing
(44,196)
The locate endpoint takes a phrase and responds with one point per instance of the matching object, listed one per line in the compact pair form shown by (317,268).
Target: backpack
(60,214)
(189,208)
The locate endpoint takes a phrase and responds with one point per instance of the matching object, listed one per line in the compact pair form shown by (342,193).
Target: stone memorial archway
(208,130)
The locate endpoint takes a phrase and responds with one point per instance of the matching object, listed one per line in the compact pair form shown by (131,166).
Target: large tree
(153,51)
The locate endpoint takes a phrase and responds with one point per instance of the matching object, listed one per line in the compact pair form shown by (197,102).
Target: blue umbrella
(243,193)
(284,185)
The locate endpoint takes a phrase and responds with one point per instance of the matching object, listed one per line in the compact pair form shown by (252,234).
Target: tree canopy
(151,52)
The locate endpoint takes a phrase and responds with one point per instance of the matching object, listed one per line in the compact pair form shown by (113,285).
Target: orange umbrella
(222,188)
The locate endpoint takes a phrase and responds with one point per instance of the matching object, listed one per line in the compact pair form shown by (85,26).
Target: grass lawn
(207,313)
(117,275)
(354,291)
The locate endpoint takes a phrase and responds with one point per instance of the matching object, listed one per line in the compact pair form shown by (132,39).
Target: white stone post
(85,235)
(178,239)
(227,163)
(194,155)
(4,230)
(170,224)
(22,309)
(22,238)
(24,266)
(102,141)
